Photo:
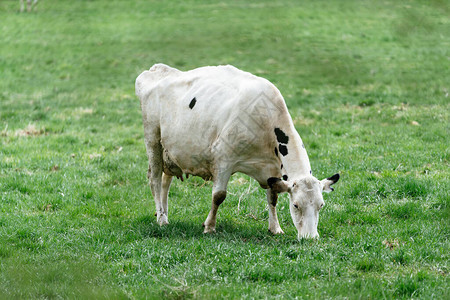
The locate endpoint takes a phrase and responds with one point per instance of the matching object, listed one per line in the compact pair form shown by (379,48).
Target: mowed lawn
(366,82)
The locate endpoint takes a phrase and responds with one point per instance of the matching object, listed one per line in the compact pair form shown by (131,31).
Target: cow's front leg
(218,196)
(210,223)
(274,225)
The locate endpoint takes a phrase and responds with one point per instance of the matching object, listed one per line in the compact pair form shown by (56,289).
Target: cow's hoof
(276,230)
(162,220)
(208,229)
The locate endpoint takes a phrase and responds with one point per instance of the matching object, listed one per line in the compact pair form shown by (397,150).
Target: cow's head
(305,200)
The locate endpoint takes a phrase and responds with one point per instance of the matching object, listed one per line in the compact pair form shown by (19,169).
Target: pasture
(366,83)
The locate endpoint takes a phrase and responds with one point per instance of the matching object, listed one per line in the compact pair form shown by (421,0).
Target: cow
(30,5)
(215,121)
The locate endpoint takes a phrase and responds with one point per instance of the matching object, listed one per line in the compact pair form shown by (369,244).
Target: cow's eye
(296,206)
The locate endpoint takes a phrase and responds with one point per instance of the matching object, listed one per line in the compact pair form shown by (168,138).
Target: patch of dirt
(30,130)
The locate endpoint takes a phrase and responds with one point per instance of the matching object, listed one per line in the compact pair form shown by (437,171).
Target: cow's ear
(328,182)
(277,185)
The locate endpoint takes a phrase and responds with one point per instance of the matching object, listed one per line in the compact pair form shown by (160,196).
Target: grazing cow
(30,5)
(215,121)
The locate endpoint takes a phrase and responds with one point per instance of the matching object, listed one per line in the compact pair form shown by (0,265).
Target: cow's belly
(187,152)
(204,150)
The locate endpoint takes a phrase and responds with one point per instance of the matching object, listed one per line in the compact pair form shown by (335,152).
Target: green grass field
(366,83)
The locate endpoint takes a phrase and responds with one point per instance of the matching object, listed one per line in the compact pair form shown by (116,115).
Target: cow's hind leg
(274,225)
(218,196)
(155,167)
(165,186)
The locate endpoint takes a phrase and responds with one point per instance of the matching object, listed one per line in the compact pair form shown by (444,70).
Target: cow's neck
(295,162)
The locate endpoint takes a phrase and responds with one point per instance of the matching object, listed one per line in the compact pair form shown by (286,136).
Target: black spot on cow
(193,101)
(274,198)
(276,151)
(281,166)
(272,181)
(283,149)
(285,177)
(281,136)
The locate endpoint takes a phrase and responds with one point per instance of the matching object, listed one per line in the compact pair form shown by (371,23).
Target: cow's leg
(165,186)
(22,6)
(272,199)
(155,167)
(218,196)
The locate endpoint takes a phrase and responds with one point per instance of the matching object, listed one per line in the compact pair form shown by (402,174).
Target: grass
(366,83)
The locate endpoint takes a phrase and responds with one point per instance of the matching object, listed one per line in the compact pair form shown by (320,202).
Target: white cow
(215,121)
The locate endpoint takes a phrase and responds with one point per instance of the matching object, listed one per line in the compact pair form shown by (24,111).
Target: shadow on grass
(146,227)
